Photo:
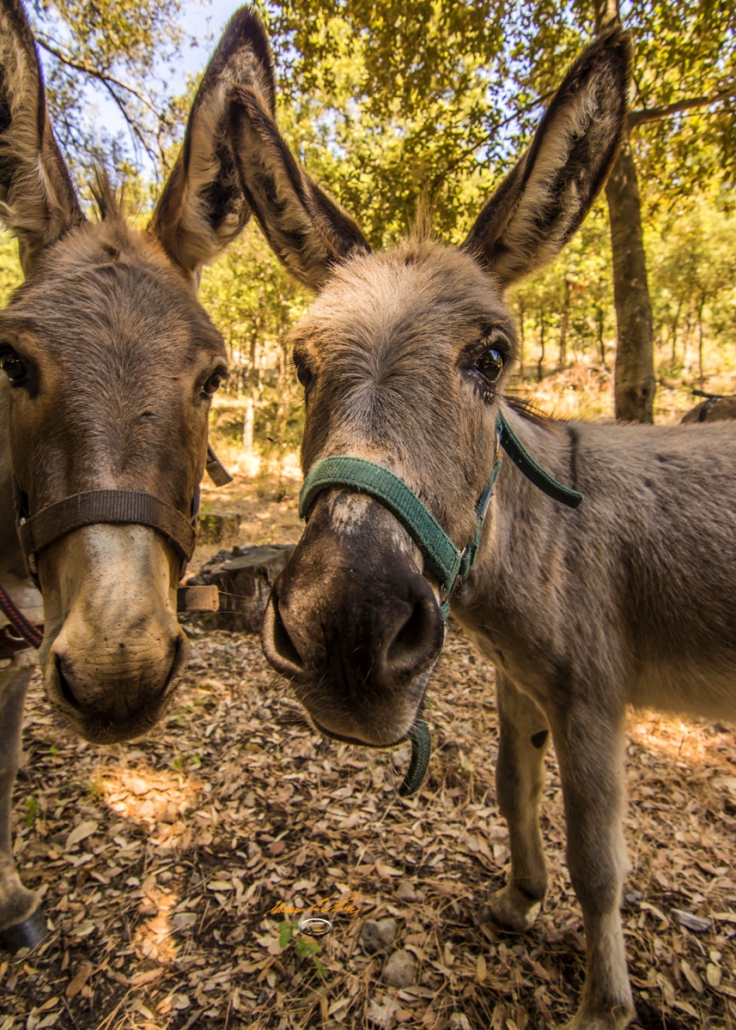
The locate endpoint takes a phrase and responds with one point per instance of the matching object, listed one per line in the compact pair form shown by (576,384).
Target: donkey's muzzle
(106,706)
(357,631)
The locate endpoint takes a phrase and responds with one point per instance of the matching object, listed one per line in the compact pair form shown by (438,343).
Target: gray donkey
(110,365)
(627,599)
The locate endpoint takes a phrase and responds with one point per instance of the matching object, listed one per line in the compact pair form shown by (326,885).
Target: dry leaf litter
(174,870)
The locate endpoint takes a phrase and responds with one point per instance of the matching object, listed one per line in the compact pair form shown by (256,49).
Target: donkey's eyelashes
(303,372)
(483,362)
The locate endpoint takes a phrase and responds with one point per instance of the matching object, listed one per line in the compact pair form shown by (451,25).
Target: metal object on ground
(315,926)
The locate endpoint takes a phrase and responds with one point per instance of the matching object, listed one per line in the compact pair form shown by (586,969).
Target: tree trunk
(674,332)
(521,341)
(601,342)
(564,321)
(249,416)
(701,305)
(634,372)
(540,365)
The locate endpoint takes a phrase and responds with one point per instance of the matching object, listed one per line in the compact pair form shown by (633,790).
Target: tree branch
(95,73)
(657,114)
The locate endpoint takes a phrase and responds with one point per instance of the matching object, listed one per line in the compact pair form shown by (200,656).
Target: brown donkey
(110,364)
(629,598)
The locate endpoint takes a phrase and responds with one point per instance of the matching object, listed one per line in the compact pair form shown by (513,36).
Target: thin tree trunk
(541,344)
(601,342)
(521,341)
(634,372)
(701,305)
(249,416)
(564,321)
(674,332)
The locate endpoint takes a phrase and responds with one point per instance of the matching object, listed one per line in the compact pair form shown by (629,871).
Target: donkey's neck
(523,537)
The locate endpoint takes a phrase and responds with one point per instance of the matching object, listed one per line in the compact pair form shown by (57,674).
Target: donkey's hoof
(513,910)
(617,1019)
(28,934)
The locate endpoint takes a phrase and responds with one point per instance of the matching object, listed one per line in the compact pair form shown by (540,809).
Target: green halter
(443,559)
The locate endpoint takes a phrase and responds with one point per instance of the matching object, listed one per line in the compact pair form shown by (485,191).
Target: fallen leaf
(79,979)
(80,833)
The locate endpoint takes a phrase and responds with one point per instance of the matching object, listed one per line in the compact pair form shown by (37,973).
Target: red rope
(22,626)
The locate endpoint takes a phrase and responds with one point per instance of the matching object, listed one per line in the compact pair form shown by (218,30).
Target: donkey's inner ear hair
(202,208)
(307,230)
(38,203)
(544,199)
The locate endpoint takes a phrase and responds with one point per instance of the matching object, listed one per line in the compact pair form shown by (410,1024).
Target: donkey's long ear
(37,199)
(202,208)
(307,230)
(541,203)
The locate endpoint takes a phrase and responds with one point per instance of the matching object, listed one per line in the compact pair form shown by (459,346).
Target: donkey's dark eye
(13,366)
(490,365)
(303,371)
(215,380)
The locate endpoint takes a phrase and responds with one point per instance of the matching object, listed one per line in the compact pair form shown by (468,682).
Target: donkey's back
(643,573)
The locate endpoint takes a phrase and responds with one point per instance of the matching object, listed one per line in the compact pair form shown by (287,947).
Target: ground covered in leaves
(172,869)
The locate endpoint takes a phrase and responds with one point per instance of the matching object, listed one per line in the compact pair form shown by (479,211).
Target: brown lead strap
(22,626)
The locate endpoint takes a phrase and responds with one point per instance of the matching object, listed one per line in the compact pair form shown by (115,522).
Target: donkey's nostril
(283,642)
(409,637)
(417,641)
(409,646)
(66,689)
(277,643)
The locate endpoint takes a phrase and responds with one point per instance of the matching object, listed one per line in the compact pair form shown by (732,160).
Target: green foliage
(117,50)
(10,270)
(31,811)
(304,947)
(387,104)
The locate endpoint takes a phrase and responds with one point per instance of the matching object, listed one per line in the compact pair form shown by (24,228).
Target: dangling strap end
(216,470)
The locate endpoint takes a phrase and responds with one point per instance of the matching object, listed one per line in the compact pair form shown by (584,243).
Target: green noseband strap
(443,559)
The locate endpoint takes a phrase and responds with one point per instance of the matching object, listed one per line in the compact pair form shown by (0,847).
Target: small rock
(400,970)
(376,936)
(691,922)
(405,891)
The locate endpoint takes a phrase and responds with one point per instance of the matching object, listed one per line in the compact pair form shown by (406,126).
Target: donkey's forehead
(419,288)
(109,284)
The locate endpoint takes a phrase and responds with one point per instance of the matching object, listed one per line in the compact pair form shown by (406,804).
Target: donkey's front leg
(21,923)
(519,780)
(589,740)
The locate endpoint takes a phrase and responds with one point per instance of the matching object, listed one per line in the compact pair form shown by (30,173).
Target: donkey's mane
(528,410)
(109,201)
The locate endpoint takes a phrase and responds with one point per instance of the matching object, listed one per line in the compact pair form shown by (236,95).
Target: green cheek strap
(443,559)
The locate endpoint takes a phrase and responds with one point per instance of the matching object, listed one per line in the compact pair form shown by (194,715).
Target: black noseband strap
(111,506)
